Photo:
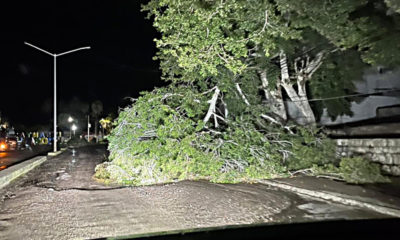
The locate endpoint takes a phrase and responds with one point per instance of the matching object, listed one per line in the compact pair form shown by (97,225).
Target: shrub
(359,170)
(101,171)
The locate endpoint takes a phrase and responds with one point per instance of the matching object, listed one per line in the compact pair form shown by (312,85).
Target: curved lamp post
(55,84)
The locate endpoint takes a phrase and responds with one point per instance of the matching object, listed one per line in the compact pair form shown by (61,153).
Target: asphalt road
(61,200)
(11,157)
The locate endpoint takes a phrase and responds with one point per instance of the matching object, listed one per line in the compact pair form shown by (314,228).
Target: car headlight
(3,146)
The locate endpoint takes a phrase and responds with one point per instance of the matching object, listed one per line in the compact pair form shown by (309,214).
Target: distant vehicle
(91,136)
(3,145)
(12,142)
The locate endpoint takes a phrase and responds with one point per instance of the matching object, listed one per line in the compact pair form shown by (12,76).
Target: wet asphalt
(15,156)
(61,200)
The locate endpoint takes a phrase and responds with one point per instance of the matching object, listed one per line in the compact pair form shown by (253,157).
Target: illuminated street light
(70,119)
(73,128)
(88,127)
(55,84)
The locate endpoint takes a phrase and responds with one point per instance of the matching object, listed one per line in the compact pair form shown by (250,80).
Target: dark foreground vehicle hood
(341,229)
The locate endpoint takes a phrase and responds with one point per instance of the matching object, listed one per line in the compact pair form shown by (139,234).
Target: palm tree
(97,109)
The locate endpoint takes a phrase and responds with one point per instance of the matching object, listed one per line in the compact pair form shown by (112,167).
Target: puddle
(64,176)
(304,209)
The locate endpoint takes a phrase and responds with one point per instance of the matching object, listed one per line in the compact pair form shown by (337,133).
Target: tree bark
(95,129)
(241,94)
(211,109)
(273,97)
(299,98)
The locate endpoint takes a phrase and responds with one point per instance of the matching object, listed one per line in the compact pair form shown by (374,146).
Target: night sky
(119,64)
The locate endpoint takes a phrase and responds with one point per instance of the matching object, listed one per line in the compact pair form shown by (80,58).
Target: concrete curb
(53,154)
(9,174)
(330,196)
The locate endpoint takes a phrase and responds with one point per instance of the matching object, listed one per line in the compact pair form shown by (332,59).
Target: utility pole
(54,55)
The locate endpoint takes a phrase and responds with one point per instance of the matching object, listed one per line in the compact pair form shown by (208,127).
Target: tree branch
(284,68)
(241,94)
(271,119)
(213,102)
(315,64)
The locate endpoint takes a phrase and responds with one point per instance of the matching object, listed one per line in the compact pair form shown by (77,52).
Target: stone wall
(380,150)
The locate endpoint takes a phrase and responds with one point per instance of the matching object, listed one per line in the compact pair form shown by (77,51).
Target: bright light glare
(74,127)
(70,119)
(3,146)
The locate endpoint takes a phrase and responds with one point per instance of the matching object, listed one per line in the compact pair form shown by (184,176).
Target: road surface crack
(58,189)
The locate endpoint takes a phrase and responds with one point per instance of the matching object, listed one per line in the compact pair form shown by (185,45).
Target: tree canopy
(201,37)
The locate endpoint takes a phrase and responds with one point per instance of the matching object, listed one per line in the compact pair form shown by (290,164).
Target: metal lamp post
(54,55)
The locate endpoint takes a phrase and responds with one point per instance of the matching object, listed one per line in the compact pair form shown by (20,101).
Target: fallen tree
(178,133)
(233,68)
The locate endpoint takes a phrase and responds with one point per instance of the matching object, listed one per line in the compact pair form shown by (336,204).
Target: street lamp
(70,120)
(88,127)
(73,128)
(54,55)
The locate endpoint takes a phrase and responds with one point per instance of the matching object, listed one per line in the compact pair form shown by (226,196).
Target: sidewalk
(383,198)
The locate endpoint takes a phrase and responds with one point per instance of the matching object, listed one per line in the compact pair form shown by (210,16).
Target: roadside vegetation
(233,68)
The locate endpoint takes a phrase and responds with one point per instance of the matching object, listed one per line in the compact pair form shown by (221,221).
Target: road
(9,158)
(61,200)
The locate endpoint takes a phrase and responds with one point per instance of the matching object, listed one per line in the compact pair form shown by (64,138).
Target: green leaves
(334,79)
(364,25)
(394,5)
(162,138)
(354,170)
(359,170)
(178,146)
(199,37)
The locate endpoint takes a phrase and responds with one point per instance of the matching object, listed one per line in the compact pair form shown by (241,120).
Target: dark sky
(118,65)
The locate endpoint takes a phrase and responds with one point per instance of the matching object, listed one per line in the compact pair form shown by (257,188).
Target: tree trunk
(273,97)
(95,129)
(301,85)
(299,98)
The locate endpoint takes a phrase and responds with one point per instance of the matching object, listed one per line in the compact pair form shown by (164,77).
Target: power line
(345,96)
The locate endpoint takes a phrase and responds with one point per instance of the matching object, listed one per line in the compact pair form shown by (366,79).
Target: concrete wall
(366,131)
(379,150)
